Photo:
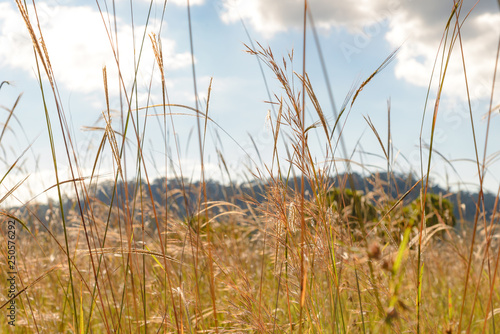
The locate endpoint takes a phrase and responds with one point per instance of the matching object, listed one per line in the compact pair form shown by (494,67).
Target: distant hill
(391,185)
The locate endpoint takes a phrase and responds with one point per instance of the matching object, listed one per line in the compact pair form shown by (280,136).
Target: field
(297,248)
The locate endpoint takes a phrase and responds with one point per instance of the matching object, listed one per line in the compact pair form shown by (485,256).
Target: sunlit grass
(306,249)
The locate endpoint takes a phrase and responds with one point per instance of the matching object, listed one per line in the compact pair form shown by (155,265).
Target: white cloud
(270,17)
(416,26)
(184,2)
(420,37)
(79,47)
(180,3)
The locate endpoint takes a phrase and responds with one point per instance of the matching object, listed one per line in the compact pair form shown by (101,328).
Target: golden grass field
(285,261)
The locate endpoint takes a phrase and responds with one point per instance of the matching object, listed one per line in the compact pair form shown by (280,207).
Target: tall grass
(286,259)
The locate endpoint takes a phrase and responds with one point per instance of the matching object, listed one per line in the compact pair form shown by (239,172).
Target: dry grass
(287,262)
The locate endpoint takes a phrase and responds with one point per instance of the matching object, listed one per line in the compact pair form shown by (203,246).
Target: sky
(355,37)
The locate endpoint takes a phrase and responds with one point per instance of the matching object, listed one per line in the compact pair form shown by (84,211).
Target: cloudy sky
(355,38)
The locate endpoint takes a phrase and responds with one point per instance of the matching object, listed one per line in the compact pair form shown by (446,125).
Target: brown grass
(284,263)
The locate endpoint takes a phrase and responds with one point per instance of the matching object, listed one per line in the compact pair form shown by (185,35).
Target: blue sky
(355,37)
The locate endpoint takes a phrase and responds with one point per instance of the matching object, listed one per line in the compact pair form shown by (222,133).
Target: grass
(280,261)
